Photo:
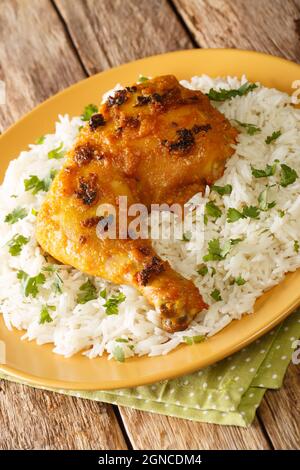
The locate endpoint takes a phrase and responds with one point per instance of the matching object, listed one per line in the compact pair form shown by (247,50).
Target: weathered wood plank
(280,412)
(36,57)
(152,431)
(36,419)
(109,33)
(271,26)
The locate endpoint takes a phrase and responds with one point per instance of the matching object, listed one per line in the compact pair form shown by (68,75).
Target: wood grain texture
(36,419)
(108,33)
(36,57)
(271,26)
(280,412)
(153,431)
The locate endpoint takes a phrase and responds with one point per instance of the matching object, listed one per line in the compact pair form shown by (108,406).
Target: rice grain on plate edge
(251,239)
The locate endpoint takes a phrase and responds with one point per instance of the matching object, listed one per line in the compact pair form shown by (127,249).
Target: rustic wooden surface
(46,45)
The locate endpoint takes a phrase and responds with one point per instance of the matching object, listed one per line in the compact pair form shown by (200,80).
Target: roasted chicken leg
(155,142)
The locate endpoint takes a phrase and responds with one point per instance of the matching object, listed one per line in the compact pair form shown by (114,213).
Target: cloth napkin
(227,393)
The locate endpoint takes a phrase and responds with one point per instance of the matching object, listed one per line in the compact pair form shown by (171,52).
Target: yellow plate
(37,364)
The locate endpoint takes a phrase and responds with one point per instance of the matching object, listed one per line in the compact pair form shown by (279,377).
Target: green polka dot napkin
(228,392)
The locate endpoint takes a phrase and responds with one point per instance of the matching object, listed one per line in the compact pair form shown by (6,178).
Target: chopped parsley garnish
(223,95)
(264,205)
(34,184)
(287,175)
(45,316)
(281,213)
(211,210)
(216,295)
(34,212)
(203,270)
(273,137)
(87,292)
(296,246)
(88,112)
(233,215)
(193,339)
(58,283)
(235,241)
(213,272)
(142,79)
(121,340)
(186,237)
(40,140)
(215,252)
(251,212)
(268,171)
(57,153)
(17,214)
(31,284)
(16,244)
(240,281)
(222,190)
(118,354)
(250,128)
(112,304)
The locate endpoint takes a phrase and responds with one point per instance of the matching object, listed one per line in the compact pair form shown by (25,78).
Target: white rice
(266,253)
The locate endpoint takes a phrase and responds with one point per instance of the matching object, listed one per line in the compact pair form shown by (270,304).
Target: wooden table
(45,46)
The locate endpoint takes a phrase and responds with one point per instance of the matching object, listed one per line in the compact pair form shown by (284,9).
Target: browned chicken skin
(155,142)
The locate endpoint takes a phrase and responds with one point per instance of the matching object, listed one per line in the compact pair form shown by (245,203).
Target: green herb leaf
(240,281)
(103,294)
(34,212)
(250,128)
(17,214)
(211,210)
(45,316)
(31,284)
(57,153)
(112,304)
(40,140)
(121,340)
(34,184)
(273,137)
(186,237)
(235,241)
(88,112)
(281,213)
(203,270)
(58,283)
(296,246)
(118,354)
(223,95)
(233,215)
(268,171)
(222,190)
(213,272)
(287,176)
(142,79)
(215,252)
(251,211)
(16,244)
(216,295)
(193,339)
(87,292)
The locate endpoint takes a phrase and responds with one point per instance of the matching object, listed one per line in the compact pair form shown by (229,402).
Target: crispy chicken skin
(155,142)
